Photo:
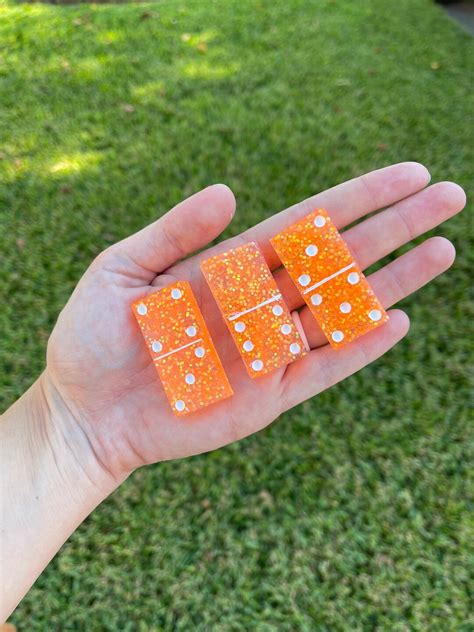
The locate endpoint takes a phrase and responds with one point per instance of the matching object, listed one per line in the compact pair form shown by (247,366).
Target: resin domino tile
(181,348)
(253,309)
(329,280)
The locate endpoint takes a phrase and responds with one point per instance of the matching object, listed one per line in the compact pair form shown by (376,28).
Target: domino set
(326,275)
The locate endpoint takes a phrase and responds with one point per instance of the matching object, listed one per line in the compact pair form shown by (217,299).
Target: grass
(352,512)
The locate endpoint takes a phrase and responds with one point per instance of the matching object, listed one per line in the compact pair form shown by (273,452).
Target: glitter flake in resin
(329,280)
(181,347)
(253,309)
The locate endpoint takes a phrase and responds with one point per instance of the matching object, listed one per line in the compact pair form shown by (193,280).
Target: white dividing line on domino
(178,349)
(276,297)
(328,278)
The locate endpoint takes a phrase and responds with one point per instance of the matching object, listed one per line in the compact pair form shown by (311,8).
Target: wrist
(50,481)
(68,441)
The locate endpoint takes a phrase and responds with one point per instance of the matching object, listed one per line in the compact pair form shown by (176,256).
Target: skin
(98,411)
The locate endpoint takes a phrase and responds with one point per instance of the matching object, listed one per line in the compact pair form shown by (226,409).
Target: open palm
(100,369)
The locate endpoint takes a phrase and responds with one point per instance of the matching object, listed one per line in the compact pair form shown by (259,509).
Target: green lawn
(352,512)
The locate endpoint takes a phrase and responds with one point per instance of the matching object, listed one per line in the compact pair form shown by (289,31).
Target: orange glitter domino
(253,309)
(181,347)
(329,280)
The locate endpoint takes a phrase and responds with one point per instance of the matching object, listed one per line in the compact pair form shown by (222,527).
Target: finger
(326,366)
(383,233)
(190,225)
(397,280)
(345,202)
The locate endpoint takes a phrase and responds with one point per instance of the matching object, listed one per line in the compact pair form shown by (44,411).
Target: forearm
(50,482)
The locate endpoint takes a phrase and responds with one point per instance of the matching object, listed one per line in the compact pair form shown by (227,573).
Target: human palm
(100,369)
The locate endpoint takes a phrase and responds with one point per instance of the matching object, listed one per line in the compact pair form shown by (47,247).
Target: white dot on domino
(345,307)
(191,331)
(176,293)
(316,299)
(156,346)
(248,345)
(142,309)
(257,365)
(319,221)
(337,336)
(375,315)
(199,352)
(277,310)
(311,250)
(180,405)
(304,280)
(295,348)
(353,278)
(190,379)
(239,327)
(285,329)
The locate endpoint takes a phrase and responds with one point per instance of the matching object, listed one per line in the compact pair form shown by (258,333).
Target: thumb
(190,225)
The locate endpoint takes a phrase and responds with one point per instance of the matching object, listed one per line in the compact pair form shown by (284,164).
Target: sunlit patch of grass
(110,37)
(206,69)
(76,163)
(149,90)
(199,41)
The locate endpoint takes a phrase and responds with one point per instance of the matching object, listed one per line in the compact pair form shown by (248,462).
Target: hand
(100,372)
(99,410)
